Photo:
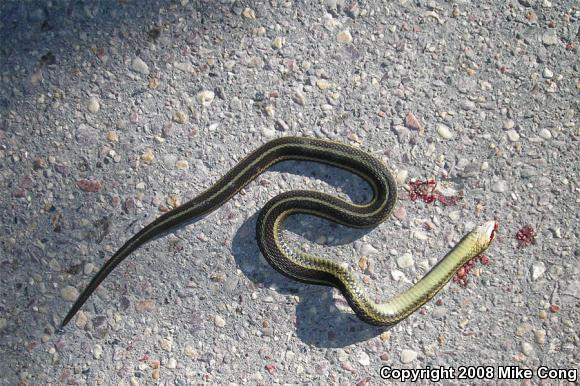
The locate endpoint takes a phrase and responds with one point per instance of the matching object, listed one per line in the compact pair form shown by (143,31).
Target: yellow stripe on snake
(297,264)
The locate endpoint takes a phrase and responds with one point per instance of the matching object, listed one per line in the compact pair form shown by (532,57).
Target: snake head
(486,233)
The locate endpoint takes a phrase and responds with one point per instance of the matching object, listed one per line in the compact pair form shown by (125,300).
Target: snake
(297,264)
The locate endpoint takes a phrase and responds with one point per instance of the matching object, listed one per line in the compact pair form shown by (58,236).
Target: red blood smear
(462,274)
(526,236)
(426,191)
(484,260)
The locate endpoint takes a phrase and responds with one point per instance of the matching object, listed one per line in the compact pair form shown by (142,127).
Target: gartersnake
(298,264)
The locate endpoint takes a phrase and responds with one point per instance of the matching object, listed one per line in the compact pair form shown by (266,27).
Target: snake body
(297,264)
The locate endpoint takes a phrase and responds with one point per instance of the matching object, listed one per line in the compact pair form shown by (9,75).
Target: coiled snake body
(297,264)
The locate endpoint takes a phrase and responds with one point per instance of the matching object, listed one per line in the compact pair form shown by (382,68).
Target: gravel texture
(112,112)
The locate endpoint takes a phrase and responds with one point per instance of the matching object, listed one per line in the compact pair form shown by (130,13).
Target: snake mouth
(490,229)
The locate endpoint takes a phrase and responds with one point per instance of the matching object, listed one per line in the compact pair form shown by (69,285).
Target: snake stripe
(297,264)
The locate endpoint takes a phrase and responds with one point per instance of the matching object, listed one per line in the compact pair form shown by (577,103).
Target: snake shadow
(318,321)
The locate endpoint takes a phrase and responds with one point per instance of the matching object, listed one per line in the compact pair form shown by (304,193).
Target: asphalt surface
(113,112)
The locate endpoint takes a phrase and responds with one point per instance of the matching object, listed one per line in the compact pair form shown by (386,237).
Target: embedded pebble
(455,215)
(401,176)
(268,132)
(299,98)
(93,104)
(439,312)
(171,363)
(403,133)
(385,336)
(88,268)
(236,103)
(397,275)
(532,16)
(444,131)
(348,366)
(97,351)
(545,134)
(424,264)
(153,83)
(219,321)
(550,37)
(190,352)
(112,136)
(91,186)
(500,186)
(185,67)
(134,117)
(39,164)
(249,13)
(363,262)
(400,213)
(420,235)
(342,355)
(166,344)
(269,110)
(364,359)
(344,37)
(412,122)
(408,356)
(180,117)
(527,349)
(148,155)
(405,261)
(69,293)
(182,164)
(523,329)
(468,105)
(278,42)
(138,65)
(540,336)
(205,97)
(543,315)
(282,125)
(538,270)
(509,124)
(547,73)
(513,135)
(322,84)
(267,331)
(367,249)
(81,320)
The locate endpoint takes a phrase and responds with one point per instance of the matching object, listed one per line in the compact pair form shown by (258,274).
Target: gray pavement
(112,112)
